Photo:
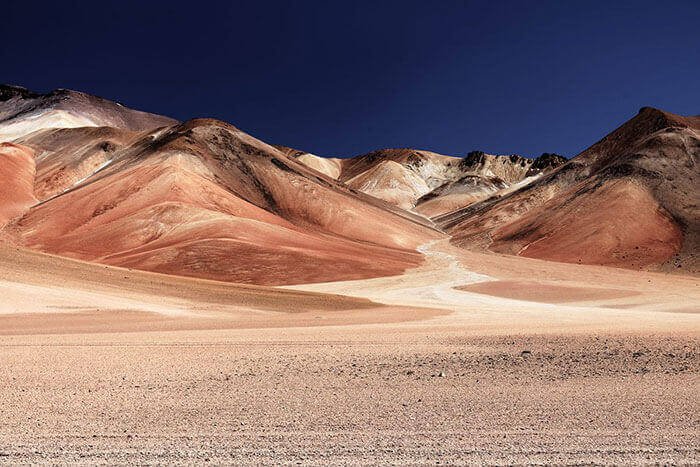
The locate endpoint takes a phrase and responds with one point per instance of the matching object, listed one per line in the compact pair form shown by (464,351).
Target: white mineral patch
(25,125)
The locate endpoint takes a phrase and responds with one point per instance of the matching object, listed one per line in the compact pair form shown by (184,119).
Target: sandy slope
(444,282)
(48,294)
(391,182)
(232,374)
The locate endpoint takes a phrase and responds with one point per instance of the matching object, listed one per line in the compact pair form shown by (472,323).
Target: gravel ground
(404,393)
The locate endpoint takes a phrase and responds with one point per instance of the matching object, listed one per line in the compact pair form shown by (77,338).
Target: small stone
(442,374)
(525,353)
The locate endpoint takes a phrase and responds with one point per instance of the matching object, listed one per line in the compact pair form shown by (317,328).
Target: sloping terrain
(23,111)
(66,157)
(407,178)
(464,191)
(630,200)
(328,166)
(102,363)
(399,176)
(435,169)
(469,358)
(199,199)
(392,182)
(483,176)
(17,170)
(511,169)
(90,179)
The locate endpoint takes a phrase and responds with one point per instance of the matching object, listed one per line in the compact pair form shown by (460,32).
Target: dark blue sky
(343,78)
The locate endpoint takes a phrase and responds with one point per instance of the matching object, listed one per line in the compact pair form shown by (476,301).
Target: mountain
(23,111)
(464,191)
(392,182)
(630,200)
(17,170)
(329,166)
(199,198)
(511,169)
(409,178)
(92,180)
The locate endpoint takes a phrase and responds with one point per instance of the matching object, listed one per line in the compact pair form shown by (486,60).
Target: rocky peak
(546,162)
(9,91)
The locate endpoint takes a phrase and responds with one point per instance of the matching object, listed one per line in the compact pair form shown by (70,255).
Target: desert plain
(183,293)
(511,361)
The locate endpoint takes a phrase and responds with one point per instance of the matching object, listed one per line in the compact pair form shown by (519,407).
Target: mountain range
(90,179)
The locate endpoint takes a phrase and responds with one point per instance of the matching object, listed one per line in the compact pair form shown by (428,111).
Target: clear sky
(340,78)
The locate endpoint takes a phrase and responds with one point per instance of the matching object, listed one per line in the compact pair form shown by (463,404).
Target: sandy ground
(530,293)
(231,374)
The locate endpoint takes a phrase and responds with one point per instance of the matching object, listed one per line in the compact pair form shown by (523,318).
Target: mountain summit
(23,111)
(199,198)
(630,200)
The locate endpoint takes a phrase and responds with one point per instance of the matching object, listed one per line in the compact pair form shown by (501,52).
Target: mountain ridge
(653,156)
(625,201)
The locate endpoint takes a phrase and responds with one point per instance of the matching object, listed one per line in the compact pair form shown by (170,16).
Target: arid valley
(183,292)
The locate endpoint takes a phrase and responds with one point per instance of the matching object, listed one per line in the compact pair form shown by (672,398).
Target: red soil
(620,224)
(206,200)
(17,175)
